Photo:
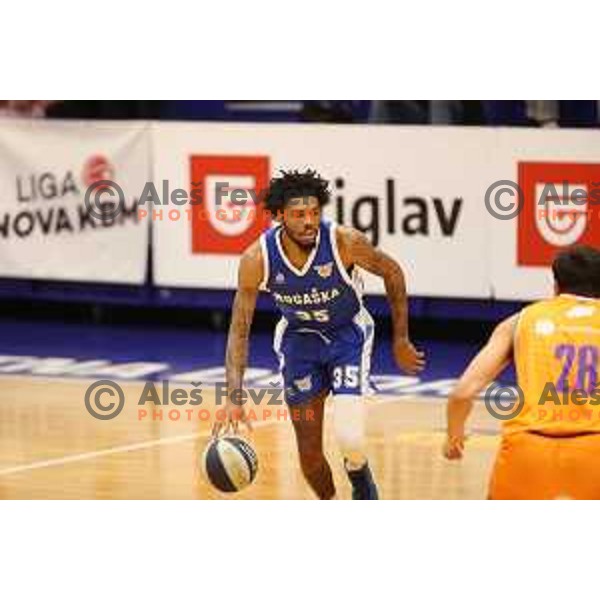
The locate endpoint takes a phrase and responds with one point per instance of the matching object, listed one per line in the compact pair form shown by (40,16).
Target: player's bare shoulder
(350,241)
(251,268)
(508,326)
(356,249)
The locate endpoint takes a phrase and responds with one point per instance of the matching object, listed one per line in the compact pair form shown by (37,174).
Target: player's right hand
(454,447)
(229,418)
(408,358)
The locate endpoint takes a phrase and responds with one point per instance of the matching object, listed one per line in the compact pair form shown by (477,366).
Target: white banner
(47,229)
(418,193)
(415,192)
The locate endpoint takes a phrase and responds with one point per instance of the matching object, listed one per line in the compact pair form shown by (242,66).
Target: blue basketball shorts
(312,360)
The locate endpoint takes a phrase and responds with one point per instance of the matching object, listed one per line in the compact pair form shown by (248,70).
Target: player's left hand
(454,447)
(408,358)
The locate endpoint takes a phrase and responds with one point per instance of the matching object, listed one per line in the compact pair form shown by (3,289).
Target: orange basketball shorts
(530,466)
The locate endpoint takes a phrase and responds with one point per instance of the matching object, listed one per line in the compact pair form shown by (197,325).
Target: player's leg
(350,362)
(306,389)
(349,426)
(307,419)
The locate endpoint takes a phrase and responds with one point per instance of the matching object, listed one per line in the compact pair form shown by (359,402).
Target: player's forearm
(236,358)
(459,409)
(236,355)
(395,287)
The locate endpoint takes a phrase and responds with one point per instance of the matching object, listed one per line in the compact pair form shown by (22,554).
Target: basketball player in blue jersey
(325,335)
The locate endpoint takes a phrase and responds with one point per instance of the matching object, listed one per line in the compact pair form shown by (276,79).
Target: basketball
(229,463)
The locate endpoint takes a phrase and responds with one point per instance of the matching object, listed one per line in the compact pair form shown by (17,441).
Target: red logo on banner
(229,216)
(97,168)
(561,207)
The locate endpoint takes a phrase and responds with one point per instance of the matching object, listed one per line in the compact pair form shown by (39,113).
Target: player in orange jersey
(550,448)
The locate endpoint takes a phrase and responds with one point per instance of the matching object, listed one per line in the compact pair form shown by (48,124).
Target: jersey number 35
(322,316)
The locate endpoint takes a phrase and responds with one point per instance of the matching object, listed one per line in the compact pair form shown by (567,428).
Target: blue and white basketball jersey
(319,296)
(325,336)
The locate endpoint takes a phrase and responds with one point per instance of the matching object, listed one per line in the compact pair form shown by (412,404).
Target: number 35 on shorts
(346,377)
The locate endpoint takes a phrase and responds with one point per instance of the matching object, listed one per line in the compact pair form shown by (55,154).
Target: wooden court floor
(52,448)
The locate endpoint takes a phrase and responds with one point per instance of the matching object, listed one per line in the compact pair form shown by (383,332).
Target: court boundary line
(122,449)
(83,456)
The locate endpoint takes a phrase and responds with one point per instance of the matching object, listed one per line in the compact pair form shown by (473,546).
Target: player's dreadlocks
(295,184)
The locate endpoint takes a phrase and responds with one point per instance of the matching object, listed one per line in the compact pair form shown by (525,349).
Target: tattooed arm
(250,275)
(355,249)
